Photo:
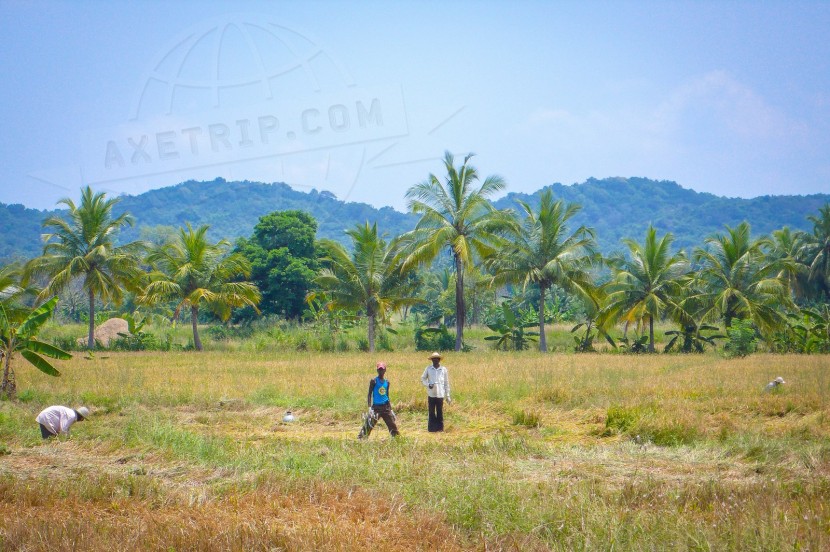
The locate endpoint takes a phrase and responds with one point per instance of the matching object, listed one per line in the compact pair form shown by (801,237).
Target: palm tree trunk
(543,344)
(194,321)
(371,330)
(651,333)
(8,386)
(459,302)
(91,341)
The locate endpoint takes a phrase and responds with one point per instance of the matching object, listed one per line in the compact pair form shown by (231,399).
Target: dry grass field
(187,451)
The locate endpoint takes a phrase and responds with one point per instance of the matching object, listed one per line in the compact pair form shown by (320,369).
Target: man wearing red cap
(379,405)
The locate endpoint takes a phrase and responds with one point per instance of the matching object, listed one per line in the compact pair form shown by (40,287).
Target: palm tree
(787,250)
(646,284)
(83,247)
(18,334)
(457,215)
(542,252)
(368,279)
(818,249)
(191,271)
(737,279)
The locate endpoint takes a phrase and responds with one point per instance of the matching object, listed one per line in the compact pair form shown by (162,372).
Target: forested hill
(231,209)
(617,208)
(614,207)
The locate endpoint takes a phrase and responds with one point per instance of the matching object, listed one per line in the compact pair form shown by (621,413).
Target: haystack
(107,332)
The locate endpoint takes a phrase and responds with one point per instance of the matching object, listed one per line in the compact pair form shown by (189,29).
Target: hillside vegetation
(614,207)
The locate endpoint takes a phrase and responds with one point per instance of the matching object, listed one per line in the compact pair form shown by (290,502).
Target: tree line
(778,284)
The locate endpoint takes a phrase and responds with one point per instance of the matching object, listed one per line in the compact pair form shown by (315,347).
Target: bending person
(57,420)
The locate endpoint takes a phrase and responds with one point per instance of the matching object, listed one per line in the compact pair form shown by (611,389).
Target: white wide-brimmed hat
(83,412)
(434,355)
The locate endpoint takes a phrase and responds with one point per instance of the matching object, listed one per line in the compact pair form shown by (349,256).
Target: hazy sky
(362,99)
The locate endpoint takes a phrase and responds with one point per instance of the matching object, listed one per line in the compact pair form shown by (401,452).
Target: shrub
(326,343)
(434,339)
(142,341)
(742,339)
(383,342)
(225,333)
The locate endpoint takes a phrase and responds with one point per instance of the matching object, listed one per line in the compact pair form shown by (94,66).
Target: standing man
(379,404)
(437,381)
(59,419)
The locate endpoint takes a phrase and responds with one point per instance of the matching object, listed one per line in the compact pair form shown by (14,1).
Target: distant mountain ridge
(624,207)
(614,207)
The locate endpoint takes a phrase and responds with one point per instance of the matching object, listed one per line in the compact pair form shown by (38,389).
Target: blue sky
(362,99)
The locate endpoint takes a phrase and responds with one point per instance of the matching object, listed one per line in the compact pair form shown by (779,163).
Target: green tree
(646,285)
(192,271)
(369,279)
(542,252)
(592,319)
(83,246)
(455,214)
(284,260)
(817,250)
(436,290)
(787,248)
(736,279)
(18,334)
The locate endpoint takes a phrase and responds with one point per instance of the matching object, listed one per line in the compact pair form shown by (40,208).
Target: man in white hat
(57,420)
(437,381)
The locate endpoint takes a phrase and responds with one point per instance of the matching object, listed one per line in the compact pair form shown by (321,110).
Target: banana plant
(511,331)
(21,337)
(810,332)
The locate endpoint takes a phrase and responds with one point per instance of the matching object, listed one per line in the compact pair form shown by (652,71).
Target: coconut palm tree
(817,250)
(458,215)
(737,279)
(83,246)
(787,249)
(646,284)
(192,271)
(542,252)
(369,279)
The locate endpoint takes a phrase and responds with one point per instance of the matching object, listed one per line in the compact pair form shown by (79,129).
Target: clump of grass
(668,434)
(621,419)
(555,395)
(527,419)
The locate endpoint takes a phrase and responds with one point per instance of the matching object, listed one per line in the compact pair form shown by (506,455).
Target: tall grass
(563,452)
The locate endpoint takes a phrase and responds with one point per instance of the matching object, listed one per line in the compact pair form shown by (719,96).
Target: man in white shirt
(57,420)
(437,381)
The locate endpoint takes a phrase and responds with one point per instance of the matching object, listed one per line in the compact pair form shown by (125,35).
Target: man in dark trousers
(437,381)
(379,405)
